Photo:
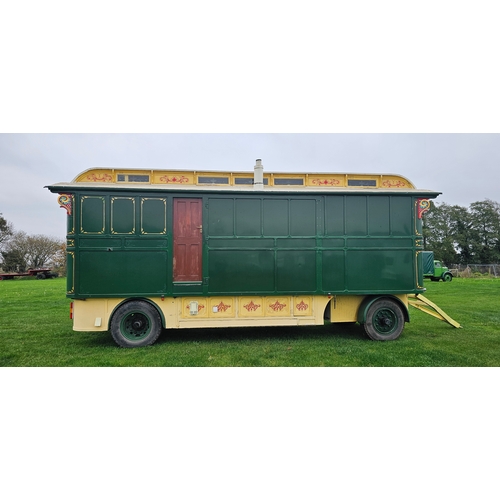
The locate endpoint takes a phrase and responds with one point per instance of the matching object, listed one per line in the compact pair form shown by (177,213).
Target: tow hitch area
(427,306)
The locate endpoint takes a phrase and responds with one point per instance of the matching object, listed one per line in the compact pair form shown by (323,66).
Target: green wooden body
(120,242)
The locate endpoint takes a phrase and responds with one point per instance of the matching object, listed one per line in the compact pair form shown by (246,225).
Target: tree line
(463,235)
(20,251)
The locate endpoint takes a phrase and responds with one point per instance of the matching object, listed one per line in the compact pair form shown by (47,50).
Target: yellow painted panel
(344,308)
(277,306)
(395,182)
(87,314)
(173,177)
(183,177)
(326,180)
(96,175)
(302,306)
(194,304)
(251,307)
(221,307)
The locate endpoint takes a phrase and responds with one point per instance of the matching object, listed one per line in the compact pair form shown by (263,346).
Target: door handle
(200,228)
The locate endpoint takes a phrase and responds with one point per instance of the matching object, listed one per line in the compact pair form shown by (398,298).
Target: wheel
(447,277)
(135,324)
(40,276)
(384,320)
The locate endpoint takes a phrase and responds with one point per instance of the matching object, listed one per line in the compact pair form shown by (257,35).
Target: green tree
(438,232)
(13,261)
(6,230)
(460,226)
(485,221)
(59,260)
(464,235)
(37,250)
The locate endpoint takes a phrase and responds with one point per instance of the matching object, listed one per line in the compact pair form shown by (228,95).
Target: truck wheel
(447,277)
(40,276)
(135,324)
(384,320)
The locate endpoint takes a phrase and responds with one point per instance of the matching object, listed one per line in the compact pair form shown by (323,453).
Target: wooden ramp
(427,306)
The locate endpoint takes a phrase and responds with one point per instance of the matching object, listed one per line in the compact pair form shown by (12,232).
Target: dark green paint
(122,215)
(257,243)
(92,215)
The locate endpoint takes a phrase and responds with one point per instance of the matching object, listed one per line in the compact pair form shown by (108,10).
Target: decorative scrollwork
(394,184)
(223,307)
(251,306)
(66,202)
(277,306)
(302,306)
(326,182)
(176,179)
(102,178)
(423,205)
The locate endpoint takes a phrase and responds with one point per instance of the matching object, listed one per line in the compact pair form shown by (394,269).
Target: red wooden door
(187,239)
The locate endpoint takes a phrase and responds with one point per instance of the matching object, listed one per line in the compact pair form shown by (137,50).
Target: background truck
(41,273)
(434,269)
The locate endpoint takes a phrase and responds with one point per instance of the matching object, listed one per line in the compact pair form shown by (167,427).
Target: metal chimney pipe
(258,176)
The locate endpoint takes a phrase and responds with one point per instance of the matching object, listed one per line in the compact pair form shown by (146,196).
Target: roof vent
(258,178)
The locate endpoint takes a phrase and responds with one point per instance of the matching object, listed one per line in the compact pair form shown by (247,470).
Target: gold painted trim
(417,280)
(415,216)
(73,272)
(112,212)
(164,200)
(83,198)
(72,230)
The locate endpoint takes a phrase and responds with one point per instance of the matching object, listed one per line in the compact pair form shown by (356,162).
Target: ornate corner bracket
(66,201)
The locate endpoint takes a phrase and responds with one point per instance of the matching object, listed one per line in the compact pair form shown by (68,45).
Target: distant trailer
(41,273)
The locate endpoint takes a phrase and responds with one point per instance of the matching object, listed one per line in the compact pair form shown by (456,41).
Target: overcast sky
(268,67)
(464,167)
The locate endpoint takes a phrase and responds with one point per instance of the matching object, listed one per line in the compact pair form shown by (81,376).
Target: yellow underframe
(220,312)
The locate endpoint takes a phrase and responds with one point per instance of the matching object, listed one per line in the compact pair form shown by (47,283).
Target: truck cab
(434,269)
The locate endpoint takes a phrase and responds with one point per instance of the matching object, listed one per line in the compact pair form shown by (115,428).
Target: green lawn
(35,330)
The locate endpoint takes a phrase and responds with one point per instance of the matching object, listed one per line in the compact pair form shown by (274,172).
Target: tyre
(447,277)
(135,324)
(40,276)
(384,320)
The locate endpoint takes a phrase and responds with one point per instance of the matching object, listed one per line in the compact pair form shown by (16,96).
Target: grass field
(35,330)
